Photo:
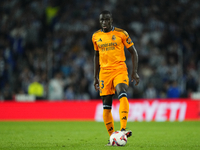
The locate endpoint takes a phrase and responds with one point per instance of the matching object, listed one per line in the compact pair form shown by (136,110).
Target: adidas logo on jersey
(100,40)
(125,81)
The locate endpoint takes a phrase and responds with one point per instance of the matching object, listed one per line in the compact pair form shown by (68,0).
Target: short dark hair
(106,12)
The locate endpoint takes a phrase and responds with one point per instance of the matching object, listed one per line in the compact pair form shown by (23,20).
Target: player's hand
(135,77)
(96,84)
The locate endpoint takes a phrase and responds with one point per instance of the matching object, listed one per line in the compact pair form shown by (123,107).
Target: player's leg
(121,89)
(121,83)
(107,91)
(107,115)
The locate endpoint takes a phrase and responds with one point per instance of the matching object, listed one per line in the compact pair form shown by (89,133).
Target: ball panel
(118,138)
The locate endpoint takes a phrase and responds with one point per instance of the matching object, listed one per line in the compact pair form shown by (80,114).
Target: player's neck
(108,29)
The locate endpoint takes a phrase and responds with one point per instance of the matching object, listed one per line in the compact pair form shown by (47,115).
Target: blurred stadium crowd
(46,45)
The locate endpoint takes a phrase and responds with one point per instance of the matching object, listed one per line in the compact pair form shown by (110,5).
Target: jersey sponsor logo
(128,40)
(107,44)
(108,49)
(113,37)
(125,80)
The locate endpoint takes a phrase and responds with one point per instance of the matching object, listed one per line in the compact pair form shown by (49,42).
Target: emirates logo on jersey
(113,37)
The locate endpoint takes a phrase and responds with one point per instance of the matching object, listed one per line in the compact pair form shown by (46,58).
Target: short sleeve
(94,43)
(127,40)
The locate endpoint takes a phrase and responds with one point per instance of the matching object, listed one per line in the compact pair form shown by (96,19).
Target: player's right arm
(96,63)
(96,70)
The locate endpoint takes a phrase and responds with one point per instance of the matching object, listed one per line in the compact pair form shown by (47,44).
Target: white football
(118,138)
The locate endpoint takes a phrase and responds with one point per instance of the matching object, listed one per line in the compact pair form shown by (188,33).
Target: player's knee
(107,102)
(107,105)
(122,94)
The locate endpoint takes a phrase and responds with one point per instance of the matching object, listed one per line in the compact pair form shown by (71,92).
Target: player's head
(105,19)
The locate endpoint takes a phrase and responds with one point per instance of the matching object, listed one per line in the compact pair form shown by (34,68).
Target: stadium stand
(42,38)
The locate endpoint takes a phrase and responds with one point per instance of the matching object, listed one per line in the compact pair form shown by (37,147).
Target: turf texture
(71,135)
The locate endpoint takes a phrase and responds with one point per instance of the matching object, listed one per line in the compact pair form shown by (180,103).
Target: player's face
(105,22)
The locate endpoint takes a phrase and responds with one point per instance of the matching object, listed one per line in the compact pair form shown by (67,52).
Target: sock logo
(110,129)
(108,123)
(124,112)
(124,118)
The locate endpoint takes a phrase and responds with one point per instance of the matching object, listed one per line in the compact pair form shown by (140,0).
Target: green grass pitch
(86,135)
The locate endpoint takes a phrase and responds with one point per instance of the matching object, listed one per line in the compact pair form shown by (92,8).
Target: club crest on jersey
(100,40)
(113,37)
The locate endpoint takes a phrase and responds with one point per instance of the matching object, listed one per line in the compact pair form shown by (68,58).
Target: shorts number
(102,84)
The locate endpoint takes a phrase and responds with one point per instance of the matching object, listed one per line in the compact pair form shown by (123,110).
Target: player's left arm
(96,70)
(134,58)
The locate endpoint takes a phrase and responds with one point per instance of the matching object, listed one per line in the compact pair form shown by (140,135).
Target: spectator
(173,90)
(7,92)
(56,87)
(70,93)
(150,91)
(36,89)
(52,36)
